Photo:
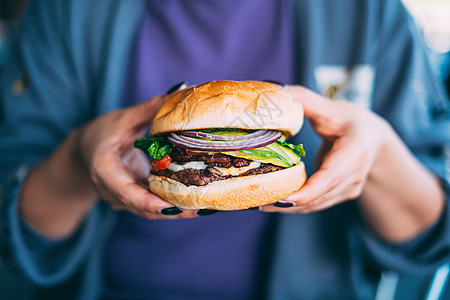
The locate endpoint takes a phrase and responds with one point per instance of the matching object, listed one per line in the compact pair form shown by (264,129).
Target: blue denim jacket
(69,67)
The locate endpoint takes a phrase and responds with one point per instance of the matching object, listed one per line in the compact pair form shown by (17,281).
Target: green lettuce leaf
(297,148)
(154,146)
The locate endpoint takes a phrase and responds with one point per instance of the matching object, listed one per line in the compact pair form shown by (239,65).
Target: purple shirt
(219,256)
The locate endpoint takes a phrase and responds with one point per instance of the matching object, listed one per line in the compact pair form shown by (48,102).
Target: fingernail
(176,87)
(275,82)
(171,211)
(253,208)
(206,212)
(283,204)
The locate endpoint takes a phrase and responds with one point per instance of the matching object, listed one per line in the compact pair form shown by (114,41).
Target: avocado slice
(292,155)
(280,151)
(274,153)
(262,154)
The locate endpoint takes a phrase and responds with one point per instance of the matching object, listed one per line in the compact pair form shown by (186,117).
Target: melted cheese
(189,165)
(199,165)
(233,171)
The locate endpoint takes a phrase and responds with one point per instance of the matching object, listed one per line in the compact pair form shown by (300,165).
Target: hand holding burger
(353,139)
(363,158)
(221,145)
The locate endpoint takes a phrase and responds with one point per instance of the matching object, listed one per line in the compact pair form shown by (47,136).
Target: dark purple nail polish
(253,208)
(176,87)
(171,211)
(206,212)
(275,82)
(283,204)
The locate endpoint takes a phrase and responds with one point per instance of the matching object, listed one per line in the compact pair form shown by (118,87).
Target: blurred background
(10,12)
(432,17)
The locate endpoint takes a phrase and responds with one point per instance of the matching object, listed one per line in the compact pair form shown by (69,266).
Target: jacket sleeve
(44,96)
(412,99)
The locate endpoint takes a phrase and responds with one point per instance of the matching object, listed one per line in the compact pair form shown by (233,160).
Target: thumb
(329,118)
(314,105)
(141,115)
(144,113)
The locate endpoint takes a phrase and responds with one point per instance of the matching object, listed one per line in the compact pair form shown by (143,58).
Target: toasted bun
(231,194)
(229,104)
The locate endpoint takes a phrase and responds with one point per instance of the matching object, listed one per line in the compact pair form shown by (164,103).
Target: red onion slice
(219,146)
(195,141)
(223,137)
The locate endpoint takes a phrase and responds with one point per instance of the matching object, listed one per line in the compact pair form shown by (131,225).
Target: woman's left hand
(353,139)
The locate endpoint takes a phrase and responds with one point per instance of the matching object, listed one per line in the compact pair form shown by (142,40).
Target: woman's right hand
(119,171)
(96,161)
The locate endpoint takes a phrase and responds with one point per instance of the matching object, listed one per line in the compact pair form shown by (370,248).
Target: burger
(222,145)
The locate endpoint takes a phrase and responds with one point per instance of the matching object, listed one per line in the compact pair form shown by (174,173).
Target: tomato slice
(162,163)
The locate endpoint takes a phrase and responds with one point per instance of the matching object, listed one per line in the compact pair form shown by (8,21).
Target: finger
(121,184)
(187,214)
(206,212)
(138,164)
(123,189)
(177,87)
(273,208)
(329,200)
(350,188)
(314,105)
(305,209)
(141,210)
(347,190)
(145,112)
(320,183)
(342,164)
(141,115)
(315,187)
(329,118)
(324,148)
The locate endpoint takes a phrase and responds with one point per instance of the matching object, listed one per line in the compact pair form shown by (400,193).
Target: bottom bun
(233,193)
